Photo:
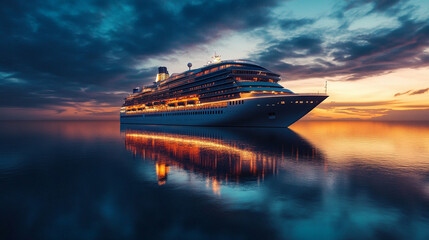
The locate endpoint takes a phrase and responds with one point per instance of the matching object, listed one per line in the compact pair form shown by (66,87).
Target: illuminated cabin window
(311,101)
(301,102)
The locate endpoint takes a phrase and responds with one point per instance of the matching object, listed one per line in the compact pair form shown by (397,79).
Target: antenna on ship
(215,58)
(189,66)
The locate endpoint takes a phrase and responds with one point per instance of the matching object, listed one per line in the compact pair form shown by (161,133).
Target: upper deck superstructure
(214,82)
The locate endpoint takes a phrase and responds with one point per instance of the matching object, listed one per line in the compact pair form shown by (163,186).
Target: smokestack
(162,74)
(162,70)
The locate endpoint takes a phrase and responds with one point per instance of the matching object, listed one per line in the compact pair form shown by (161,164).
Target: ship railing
(312,94)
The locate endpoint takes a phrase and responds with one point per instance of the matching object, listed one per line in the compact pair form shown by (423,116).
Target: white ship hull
(270,111)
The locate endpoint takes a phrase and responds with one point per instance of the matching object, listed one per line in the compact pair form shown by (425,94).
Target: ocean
(314,180)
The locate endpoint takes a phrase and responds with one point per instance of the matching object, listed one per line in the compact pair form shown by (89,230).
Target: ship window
(301,102)
(311,101)
(296,101)
(282,102)
(258,105)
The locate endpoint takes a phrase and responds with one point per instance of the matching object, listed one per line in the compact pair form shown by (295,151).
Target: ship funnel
(162,70)
(162,74)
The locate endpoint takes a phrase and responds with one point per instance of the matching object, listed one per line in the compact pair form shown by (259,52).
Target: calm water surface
(316,180)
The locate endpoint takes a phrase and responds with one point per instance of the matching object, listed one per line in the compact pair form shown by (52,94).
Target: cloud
(377,5)
(411,92)
(420,91)
(51,50)
(292,24)
(359,56)
(403,93)
(297,47)
(55,48)
(356,104)
(405,115)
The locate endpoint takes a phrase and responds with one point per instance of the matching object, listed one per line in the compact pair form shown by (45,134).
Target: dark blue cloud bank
(59,54)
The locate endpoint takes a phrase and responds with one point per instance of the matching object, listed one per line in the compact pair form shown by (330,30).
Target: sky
(80,59)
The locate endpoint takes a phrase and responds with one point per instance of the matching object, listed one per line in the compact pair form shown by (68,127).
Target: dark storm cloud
(297,47)
(52,49)
(358,57)
(59,54)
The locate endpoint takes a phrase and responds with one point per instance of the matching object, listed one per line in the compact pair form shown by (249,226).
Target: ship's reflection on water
(219,155)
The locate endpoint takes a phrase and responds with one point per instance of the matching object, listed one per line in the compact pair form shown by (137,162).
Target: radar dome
(189,66)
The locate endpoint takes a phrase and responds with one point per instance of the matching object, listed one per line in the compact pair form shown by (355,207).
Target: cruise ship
(236,93)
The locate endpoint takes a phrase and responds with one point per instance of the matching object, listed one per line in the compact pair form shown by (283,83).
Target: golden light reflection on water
(382,144)
(220,155)
(223,156)
(162,170)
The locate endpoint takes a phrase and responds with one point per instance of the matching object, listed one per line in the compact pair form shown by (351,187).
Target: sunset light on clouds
(78,61)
